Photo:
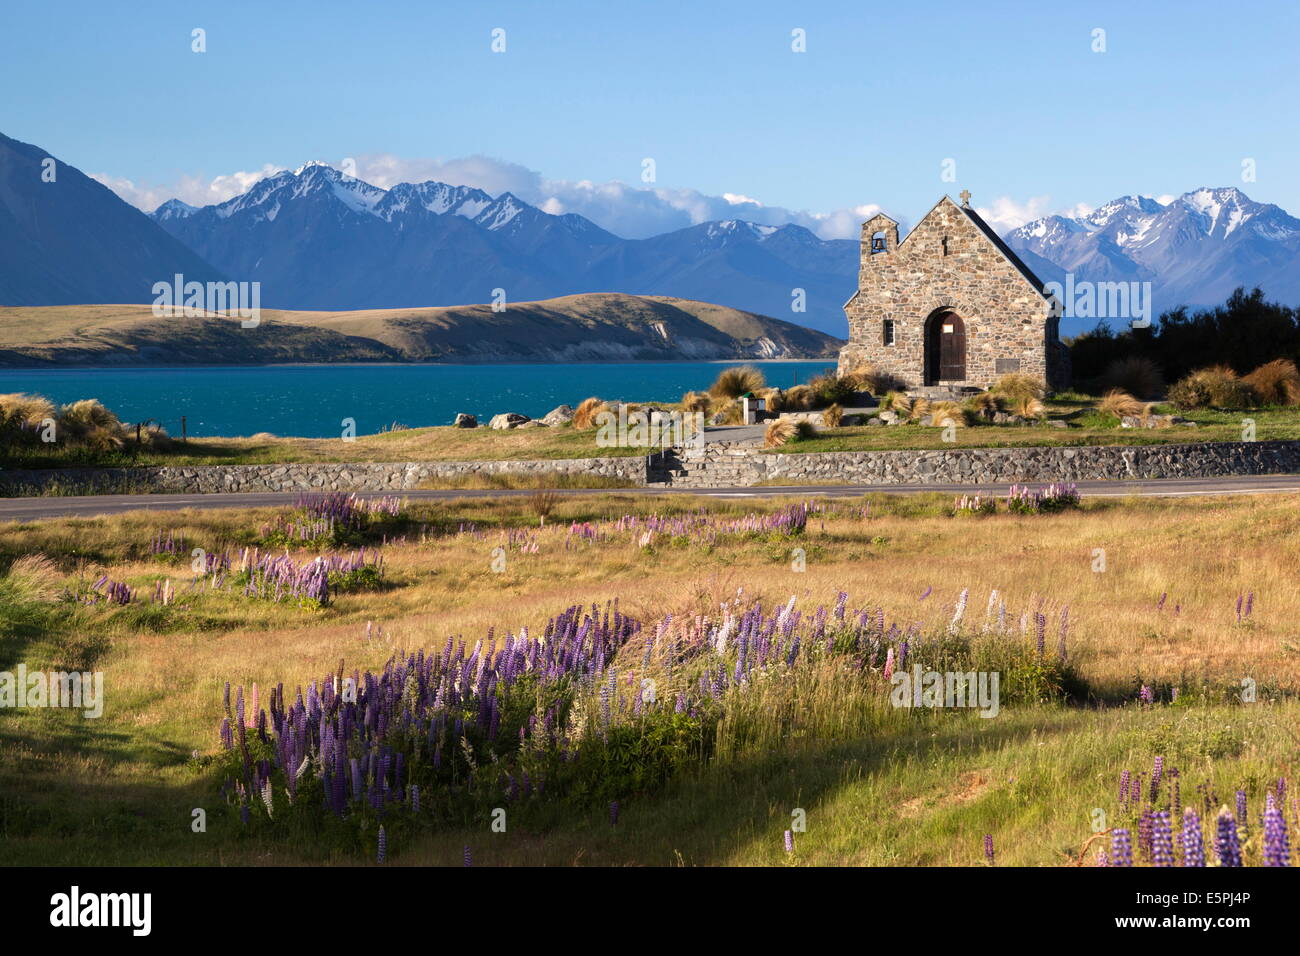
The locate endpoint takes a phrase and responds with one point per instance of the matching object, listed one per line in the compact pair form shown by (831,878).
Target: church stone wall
(947,262)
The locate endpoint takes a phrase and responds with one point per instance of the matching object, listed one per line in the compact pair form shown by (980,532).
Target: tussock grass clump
(919,408)
(697,402)
(1018,388)
(89,423)
(20,408)
(772,396)
(831,389)
(798,398)
(1215,387)
(784,430)
(869,378)
(584,416)
(735,382)
(833,416)
(1120,404)
(986,404)
(898,402)
(778,433)
(1276,382)
(945,413)
(1138,376)
(1031,408)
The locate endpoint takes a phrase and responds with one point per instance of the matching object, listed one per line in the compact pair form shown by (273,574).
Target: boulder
(558,416)
(533,423)
(876,420)
(466,421)
(508,420)
(889,417)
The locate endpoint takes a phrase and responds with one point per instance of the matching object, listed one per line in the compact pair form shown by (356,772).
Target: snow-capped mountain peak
(1194,250)
(174,209)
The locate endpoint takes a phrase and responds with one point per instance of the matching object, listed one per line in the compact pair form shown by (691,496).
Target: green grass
(1085,426)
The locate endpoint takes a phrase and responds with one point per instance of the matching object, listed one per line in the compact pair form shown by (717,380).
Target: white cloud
(194,190)
(1007,213)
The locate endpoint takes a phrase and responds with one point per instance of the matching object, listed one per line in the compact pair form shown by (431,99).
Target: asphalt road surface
(26,509)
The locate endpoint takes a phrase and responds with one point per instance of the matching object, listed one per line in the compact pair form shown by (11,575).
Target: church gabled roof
(1007,252)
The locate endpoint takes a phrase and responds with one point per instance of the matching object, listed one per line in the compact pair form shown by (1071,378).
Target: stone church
(950,306)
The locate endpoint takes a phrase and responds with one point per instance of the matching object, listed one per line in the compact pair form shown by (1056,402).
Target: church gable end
(949,305)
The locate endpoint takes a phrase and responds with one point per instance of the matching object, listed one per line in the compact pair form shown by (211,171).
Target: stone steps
(716,465)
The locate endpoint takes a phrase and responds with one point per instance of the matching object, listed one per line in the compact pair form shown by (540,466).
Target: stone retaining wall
(343,476)
(723,464)
(981,465)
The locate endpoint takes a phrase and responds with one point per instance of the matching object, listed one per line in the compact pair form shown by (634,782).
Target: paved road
(23,509)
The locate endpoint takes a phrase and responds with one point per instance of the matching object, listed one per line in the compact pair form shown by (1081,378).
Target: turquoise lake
(312,400)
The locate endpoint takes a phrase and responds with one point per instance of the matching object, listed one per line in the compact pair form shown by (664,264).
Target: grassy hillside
(596,327)
(880,785)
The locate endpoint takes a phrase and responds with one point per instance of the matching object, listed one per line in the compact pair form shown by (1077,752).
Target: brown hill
(591,327)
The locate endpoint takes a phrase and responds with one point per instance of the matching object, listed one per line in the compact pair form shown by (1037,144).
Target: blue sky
(1035,120)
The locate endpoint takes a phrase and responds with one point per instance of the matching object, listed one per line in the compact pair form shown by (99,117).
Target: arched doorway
(945,348)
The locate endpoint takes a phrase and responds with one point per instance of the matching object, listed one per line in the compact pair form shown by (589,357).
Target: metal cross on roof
(965,198)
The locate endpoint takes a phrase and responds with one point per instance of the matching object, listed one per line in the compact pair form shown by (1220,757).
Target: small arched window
(877,243)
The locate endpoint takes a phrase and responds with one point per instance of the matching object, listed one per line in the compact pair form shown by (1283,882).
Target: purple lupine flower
(1124,786)
(613,813)
(1146,833)
(988,848)
(1146,695)
(1121,849)
(1241,810)
(1156,772)
(383,845)
(415,798)
(1193,841)
(1227,844)
(789,842)
(468,860)
(1162,842)
(1277,846)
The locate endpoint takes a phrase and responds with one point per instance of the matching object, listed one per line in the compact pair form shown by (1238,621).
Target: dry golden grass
(797,398)
(943,414)
(778,432)
(1120,404)
(584,416)
(732,383)
(1201,553)
(1276,382)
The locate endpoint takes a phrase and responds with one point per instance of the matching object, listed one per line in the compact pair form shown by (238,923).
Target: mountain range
(317,239)
(1193,250)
